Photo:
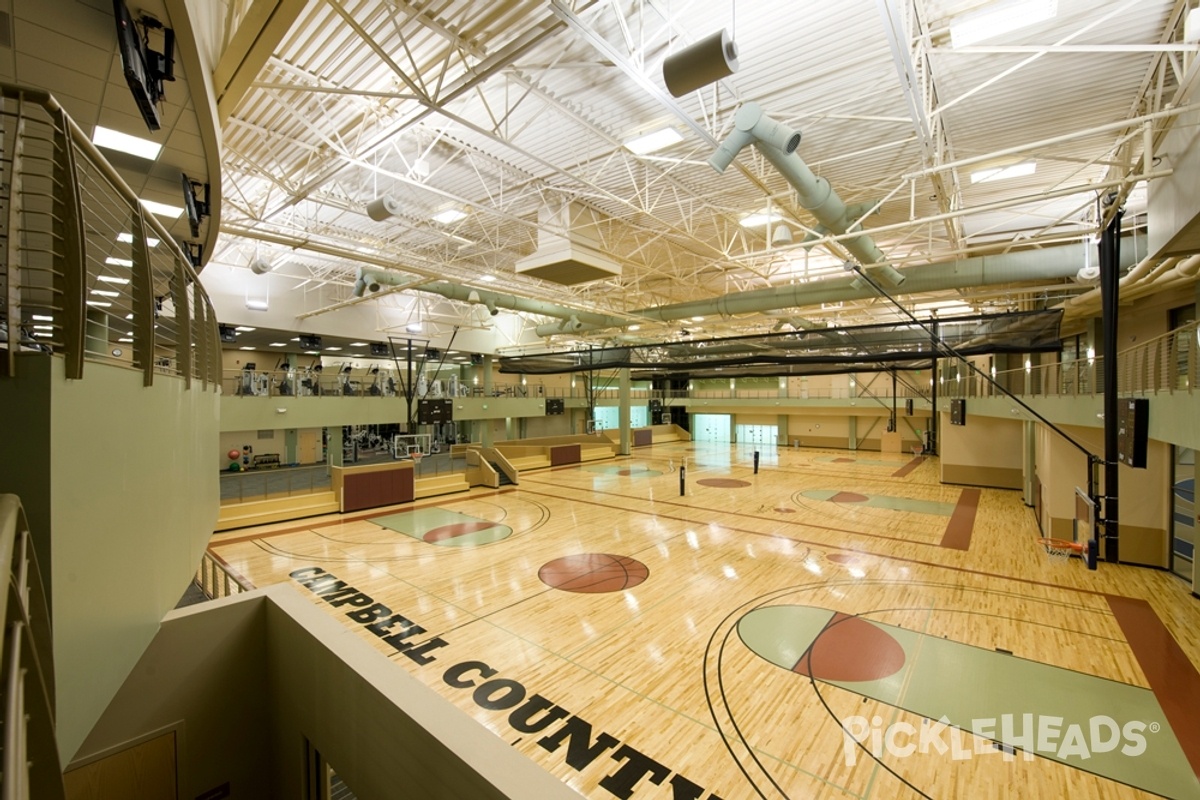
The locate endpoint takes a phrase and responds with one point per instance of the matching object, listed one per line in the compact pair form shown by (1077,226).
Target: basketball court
(838,625)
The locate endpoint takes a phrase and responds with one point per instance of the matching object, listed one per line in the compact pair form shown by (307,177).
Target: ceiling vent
(570,257)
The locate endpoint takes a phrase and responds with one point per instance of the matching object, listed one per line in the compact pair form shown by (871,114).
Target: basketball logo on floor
(593,573)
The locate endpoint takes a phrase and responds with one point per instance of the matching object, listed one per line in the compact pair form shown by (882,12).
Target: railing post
(69,216)
(12,255)
(183,313)
(143,299)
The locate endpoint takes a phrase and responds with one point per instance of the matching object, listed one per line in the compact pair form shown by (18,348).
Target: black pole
(893,427)
(1110,252)
(932,433)
(682,473)
(755,462)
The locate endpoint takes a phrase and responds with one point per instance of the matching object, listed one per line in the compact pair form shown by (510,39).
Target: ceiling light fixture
(759,218)
(653,142)
(162,209)
(449,216)
(257,305)
(998,19)
(245,328)
(1003,173)
(124,143)
(118,262)
(127,238)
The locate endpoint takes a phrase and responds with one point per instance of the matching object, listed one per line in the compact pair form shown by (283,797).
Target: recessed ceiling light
(635,327)
(449,216)
(162,209)
(312,352)
(245,348)
(697,319)
(488,278)
(653,142)
(296,339)
(278,344)
(43,327)
(42,318)
(759,218)
(118,262)
(99,304)
(1001,173)
(998,19)
(333,348)
(105,293)
(111,279)
(127,238)
(129,316)
(123,142)
(244,328)
(358,344)
(125,339)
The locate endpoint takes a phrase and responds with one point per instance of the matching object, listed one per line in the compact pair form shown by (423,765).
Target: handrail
(31,766)
(87,271)
(207,579)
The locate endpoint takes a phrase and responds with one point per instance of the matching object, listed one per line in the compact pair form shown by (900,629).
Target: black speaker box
(378,349)
(958,412)
(1133,427)
(310,342)
(228,334)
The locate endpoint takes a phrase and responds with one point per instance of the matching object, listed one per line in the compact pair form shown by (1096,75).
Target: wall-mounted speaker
(1133,428)
(908,407)
(958,412)
(476,359)
(228,334)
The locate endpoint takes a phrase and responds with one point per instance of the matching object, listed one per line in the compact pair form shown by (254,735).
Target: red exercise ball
(234,454)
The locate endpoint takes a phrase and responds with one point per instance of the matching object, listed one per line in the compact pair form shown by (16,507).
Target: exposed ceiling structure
(450,146)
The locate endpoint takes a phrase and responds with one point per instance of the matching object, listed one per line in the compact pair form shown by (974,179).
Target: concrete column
(623,410)
(853,443)
(486,439)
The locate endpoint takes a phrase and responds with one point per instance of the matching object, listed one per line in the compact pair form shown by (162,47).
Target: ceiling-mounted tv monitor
(197,207)
(145,70)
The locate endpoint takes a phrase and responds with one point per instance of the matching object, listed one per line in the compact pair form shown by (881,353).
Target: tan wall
(819,430)
(204,673)
(1145,503)
(121,484)
(987,451)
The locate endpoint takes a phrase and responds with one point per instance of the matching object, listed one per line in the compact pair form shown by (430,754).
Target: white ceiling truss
(501,110)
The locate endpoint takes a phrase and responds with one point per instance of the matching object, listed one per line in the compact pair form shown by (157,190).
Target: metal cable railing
(31,767)
(217,580)
(85,271)
(1166,364)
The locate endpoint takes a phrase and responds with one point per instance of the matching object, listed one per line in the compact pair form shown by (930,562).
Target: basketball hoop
(1061,548)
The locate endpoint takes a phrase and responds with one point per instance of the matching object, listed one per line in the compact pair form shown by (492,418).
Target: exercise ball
(235,467)
(234,455)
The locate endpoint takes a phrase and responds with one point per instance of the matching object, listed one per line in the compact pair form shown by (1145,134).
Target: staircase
(504,479)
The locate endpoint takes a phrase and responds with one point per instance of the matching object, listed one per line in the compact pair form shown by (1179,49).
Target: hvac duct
(374,280)
(778,143)
(1051,263)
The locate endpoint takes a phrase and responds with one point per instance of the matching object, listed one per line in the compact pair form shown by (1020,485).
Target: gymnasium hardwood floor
(639,643)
